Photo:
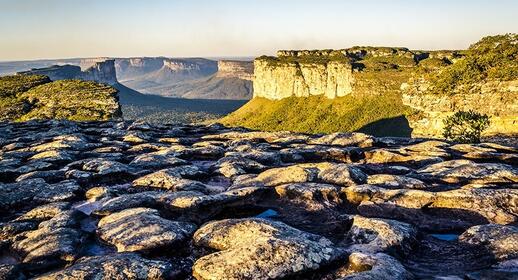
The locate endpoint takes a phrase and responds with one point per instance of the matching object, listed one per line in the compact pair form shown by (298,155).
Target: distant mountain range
(187,78)
(193,78)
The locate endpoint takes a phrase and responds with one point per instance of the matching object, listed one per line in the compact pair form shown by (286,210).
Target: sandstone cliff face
(100,71)
(103,72)
(285,79)
(496,99)
(236,69)
(86,63)
(335,73)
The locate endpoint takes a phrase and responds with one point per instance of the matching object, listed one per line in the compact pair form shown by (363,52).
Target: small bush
(465,126)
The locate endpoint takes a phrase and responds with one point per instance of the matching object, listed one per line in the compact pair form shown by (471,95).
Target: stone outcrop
(210,202)
(99,70)
(236,69)
(337,73)
(496,99)
(86,63)
(279,80)
(259,249)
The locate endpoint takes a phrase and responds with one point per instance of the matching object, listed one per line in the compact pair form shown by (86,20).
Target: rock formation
(430,86)
(128,68)
(337,73)
(243,70)
(485,80)
(99,70)
(99,200)
(277,80)
(496,99)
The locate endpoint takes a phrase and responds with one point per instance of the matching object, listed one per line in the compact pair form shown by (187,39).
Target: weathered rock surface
(379,235)
(210,202)
(499,240)
(120,266)
(140,229)
(259,249)
(376,266)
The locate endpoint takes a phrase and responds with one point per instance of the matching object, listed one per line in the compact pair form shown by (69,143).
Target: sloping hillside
(376,115)
(212,87)
(158,109)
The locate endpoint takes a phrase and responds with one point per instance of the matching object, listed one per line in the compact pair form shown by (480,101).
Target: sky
(38,29)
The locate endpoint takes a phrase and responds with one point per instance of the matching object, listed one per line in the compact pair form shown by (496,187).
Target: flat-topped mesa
(100,71)
(337,73)
(354,53)
(236,69)
(197,66)
(103,71)
(86,63)
(177,65)
(277,79)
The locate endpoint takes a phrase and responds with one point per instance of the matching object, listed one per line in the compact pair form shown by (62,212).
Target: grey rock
(259,249)
(117,267)
(501,241)
(376,267)
(370,235)
(140,229)
(465,171)
(48,245)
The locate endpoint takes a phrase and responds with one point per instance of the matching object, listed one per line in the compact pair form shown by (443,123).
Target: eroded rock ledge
(113,200)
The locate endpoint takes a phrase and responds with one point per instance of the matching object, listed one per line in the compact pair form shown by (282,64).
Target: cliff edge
(99,70)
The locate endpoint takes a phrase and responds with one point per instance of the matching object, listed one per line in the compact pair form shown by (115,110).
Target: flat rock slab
(141,229)
(36,192)
(372,235)
(48,245)
(465,171)
(375,267)
(259,249)
(501,241)
(120,266)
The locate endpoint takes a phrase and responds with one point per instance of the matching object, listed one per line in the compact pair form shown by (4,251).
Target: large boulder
(380,235)
(376,267)
(259,249)
(140,229)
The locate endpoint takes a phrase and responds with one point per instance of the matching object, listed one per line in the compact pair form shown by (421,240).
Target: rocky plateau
(121,200)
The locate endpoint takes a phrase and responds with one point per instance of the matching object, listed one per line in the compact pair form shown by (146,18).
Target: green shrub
(465,126)
(492,58)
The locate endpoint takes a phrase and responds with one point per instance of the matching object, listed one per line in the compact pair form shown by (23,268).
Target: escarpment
(484,80)
(337,73)
(422,88)
(236,69)
(275,79)
(99,70)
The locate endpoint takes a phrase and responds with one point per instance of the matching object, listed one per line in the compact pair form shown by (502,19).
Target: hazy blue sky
(83,28)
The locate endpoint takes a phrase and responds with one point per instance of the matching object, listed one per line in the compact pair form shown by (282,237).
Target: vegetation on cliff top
(12,85)
(378,115)
(25,97)
(492,58)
